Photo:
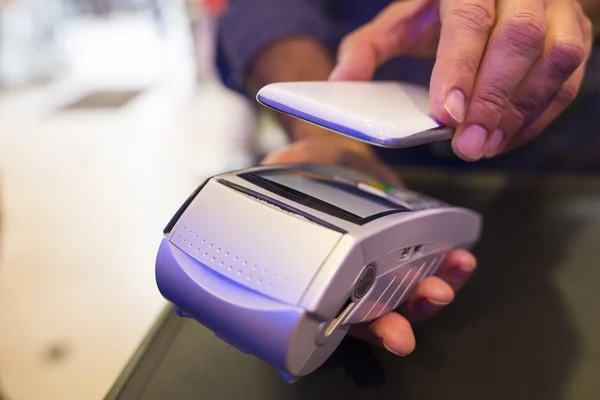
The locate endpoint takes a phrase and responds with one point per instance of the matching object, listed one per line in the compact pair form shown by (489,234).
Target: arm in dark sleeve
(249,26)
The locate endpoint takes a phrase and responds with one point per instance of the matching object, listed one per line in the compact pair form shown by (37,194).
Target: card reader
(280,261)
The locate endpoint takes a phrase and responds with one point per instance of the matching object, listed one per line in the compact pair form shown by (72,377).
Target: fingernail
(459,273)
(335,74)
(339,68)
(438,303)
(426,306)
(390,350)
(471,141)
(455,105)
(494,145)
(343,53)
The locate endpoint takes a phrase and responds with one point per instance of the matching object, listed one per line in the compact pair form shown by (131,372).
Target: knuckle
(465,62)
(492,98)
(566,94)
(523,107)
(565,56)
(356,37)
(523,33)
(475,17)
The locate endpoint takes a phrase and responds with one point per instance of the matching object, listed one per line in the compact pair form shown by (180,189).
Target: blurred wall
(28,51)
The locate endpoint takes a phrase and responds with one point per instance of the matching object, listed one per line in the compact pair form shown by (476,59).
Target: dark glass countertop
(527,325)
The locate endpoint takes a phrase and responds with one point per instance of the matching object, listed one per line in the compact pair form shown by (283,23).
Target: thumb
(385,37)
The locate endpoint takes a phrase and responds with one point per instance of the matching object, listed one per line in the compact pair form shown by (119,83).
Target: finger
(465,29)
(386,36)
(431,295)
(514,46)
(564,51)
(560,100)
(326,150)
(285,156)
(565,96)
(436,292)
(391,331)
(458,267)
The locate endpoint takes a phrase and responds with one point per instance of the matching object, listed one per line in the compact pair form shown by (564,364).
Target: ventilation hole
(221,264)
(204,254)
(235,258)
(245,263)
(219,250)
(239,272)
(197,248)
(196,236)
(227,254)
(210,245)
(203,240)
(258,281)
(264,271)
(185,240)
(212,259)
(269,285)
(190,231)
(249,277)
(229,268)
(254,268)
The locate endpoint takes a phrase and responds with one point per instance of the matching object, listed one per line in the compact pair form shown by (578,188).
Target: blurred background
(110,116)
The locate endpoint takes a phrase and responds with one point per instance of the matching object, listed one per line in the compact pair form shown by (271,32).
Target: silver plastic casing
(282,274)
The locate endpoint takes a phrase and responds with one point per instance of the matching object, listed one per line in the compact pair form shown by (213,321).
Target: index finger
(466,26)
(388,35)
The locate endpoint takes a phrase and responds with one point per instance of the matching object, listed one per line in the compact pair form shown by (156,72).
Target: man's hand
(504,68)
(393,331)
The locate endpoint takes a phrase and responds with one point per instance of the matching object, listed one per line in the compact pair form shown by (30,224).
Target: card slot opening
(339,317)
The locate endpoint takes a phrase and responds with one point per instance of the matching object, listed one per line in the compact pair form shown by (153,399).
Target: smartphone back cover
(388,114)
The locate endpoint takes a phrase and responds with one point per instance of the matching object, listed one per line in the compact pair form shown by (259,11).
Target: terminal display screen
(343,199)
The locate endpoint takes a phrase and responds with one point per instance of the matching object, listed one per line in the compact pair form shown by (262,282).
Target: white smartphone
(386,114)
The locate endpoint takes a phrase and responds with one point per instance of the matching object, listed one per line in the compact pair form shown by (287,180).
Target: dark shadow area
(511,334)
